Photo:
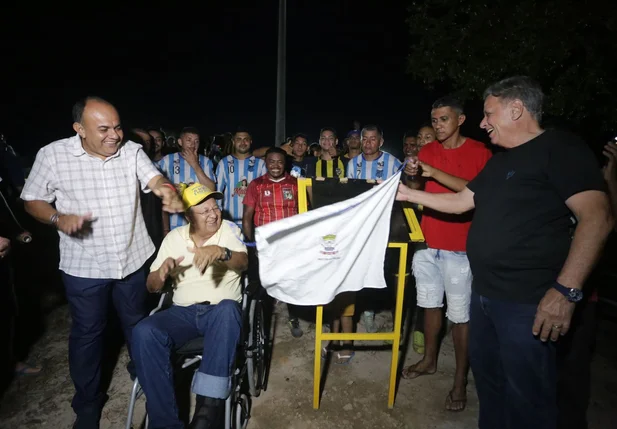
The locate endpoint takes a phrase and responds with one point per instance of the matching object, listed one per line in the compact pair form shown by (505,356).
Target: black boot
(209,413)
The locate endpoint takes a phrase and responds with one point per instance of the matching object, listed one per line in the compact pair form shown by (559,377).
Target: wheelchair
(249,378)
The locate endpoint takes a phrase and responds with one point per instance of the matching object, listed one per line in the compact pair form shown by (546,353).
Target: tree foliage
(569,46)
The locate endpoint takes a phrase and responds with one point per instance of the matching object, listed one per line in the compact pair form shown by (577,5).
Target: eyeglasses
(209,212)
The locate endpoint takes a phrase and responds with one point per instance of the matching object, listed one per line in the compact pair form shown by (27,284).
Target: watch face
(575,295)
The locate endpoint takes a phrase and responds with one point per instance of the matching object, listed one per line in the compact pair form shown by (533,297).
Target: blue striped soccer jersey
(379,169)
(233,176)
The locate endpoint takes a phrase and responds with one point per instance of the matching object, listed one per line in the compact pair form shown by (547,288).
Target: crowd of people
(511,238)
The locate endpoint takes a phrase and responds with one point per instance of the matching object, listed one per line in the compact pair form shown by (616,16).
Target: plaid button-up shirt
(79,183)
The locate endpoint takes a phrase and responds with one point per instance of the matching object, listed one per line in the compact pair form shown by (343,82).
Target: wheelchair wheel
(240,414)
(256,361)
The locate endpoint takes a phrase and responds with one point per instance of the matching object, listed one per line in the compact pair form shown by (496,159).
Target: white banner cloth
(309,258)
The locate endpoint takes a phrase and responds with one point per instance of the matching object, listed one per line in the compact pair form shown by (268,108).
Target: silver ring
(557,327)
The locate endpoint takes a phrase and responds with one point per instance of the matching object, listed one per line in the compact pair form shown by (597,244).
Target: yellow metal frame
(416,232)
(393,336)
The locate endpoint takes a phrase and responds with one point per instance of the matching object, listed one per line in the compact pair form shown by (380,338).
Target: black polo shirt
(519,238)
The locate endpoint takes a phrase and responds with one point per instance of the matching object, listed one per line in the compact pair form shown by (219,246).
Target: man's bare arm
(203,179)
(457,203)
(449,181)
(40,210)
(239,261)
(612,193)
(260,152)
(593,212)
(247,222)
(67,223)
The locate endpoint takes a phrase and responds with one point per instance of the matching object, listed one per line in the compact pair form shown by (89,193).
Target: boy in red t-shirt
(272,197)
(447,164)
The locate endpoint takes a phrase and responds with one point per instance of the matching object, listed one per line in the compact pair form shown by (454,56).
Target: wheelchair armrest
(163,303)
(166,299)
(251,287)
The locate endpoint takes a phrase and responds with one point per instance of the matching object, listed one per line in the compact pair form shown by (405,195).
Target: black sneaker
(294,326)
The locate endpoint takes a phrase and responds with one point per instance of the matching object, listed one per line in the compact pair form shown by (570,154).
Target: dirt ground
(355,395)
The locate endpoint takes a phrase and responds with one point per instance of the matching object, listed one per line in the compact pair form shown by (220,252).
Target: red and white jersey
(272,200)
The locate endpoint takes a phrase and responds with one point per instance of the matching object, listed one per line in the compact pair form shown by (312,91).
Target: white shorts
(443,271)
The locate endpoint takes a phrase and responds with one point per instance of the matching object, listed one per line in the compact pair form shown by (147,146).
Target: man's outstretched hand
(171,199)
(403,193)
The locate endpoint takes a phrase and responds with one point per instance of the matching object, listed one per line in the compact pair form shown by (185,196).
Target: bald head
(98,125)
(80,106)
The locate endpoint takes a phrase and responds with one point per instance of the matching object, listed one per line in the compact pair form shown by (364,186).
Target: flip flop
(28,369)
(346,359)
(450,401)
(408,373)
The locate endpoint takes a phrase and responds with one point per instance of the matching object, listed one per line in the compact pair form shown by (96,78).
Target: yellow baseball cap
(197,193)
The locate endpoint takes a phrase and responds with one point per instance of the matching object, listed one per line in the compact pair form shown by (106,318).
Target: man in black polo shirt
(528,272)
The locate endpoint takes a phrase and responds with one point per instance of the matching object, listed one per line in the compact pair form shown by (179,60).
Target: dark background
(212,66)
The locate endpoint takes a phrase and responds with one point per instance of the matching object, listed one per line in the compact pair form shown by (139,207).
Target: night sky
(213,67)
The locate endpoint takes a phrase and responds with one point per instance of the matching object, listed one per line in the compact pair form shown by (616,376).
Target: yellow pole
(398,316)
(317,369)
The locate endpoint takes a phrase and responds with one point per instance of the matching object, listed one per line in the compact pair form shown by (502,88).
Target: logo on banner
(329,250)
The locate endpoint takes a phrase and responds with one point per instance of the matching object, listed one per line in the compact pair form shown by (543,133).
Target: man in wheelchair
(204,261)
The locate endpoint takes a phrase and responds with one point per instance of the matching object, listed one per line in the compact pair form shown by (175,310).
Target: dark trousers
(574,353)
(89,301)
(156,336)
(515,373)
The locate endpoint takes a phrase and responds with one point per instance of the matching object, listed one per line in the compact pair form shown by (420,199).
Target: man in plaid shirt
(94,179)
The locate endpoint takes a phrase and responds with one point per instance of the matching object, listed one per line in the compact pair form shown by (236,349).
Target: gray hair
(519,88)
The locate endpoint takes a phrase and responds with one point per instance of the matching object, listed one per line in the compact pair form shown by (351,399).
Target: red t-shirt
(272,200)
(444,231)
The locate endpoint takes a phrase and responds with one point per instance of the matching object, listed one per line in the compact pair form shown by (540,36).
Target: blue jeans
(515,372)
(89,301)
(155,337)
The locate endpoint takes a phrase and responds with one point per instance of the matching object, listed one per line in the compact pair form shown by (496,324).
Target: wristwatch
(572,295)
(227,255)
